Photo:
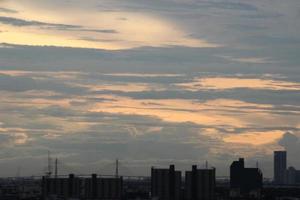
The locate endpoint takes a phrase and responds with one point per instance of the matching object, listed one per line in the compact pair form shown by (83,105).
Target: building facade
(292,176)
(245,182)
(166,184)
(83,187)
(200,184)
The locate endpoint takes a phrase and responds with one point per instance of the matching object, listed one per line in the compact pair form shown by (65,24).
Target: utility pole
(49,172)
(55,177)
(117,168)
(56,168)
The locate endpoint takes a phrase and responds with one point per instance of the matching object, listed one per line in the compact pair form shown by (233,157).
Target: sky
(151,83)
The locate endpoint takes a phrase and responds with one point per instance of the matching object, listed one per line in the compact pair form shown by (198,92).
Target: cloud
(8,139)
(167,59)
(180,6)
(130,33)
(141,60)
(223,83)
(130,115)
(16,84)
(273,40)
(291,143)
(5,139)
(23,83)
(250,60)
(230,5)
(92,39)
(217,112)
(7,10)
(20,22)
(255,138)
(114,142)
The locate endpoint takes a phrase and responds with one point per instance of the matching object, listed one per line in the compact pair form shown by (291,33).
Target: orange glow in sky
(126,29)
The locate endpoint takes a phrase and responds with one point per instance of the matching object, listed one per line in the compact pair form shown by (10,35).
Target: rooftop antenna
(206,164)
(117,168)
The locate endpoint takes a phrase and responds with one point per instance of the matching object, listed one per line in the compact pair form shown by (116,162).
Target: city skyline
(149,83)
(172,184)
(165,183)
(282,174)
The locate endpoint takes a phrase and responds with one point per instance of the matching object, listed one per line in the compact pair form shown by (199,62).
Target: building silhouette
(166,183)
(279,166)
(200,184)
(82,187)
(292,176)
(245,182)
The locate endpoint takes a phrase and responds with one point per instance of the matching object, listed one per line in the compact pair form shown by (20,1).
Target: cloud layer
(120,115)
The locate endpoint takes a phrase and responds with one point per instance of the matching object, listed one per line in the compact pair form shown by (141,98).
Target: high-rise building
(245,182)
(200,184)
(279,166)
(166,183)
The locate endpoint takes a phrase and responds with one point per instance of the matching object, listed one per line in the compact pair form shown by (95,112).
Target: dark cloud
(91,39)
(135,60)
(262,15)
(230,5)
(141,60)
(273,40)
(247,27)
(100,31)
(16,84)
(20,84)
(20,22)
(169,6)
(273,97)
(148,149)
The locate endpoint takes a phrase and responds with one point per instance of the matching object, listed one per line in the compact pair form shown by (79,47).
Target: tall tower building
(279,166)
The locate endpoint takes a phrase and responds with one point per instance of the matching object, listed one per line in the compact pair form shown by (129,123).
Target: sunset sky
(148,82)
